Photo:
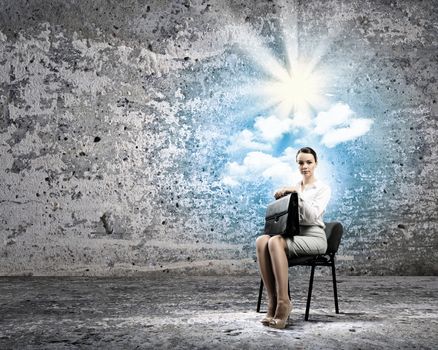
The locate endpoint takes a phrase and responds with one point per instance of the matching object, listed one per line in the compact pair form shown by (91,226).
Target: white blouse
(312,202)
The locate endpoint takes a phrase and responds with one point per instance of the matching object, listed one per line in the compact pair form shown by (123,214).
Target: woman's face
(306,164)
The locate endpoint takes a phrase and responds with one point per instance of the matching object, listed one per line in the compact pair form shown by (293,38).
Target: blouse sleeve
(311,207)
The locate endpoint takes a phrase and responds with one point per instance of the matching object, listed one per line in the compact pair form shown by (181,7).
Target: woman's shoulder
(322,185)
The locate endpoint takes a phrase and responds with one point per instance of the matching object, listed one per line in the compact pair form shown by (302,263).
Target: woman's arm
(311,209)
(284,191)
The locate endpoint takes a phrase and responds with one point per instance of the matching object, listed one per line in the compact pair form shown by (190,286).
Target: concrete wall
(135,135)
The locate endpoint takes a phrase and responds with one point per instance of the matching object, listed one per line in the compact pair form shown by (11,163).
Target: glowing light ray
(287,95)
(308,86)
(264,100)
(289,23)
(295,89)
(294,92)
(262,56)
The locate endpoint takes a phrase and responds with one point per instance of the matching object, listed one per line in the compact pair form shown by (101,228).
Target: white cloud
(337,115)
(302,120)
(229,181)
(267,131)
(245,140)
(258,165)
(257,161)
(357,128)
(272,128)
(339,124)
(279,173)
(289,155)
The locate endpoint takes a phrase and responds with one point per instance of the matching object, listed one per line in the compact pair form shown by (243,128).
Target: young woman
(273,252)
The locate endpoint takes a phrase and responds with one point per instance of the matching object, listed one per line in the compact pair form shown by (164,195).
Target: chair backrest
(333,231)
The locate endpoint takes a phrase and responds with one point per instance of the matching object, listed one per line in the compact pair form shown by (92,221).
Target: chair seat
(309,260)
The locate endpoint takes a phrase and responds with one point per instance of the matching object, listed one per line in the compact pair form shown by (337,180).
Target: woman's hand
(284,191)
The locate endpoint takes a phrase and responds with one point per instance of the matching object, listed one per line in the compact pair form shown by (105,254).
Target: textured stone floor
(212,312)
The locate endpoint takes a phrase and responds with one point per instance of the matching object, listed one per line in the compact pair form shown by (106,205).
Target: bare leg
(267,274)
(278,252)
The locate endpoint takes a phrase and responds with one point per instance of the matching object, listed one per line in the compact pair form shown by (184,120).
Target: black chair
(333,231)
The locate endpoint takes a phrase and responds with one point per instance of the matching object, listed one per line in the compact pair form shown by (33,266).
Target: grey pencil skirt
(311,241)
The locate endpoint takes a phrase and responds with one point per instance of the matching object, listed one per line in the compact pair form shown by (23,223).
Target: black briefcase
(282,217)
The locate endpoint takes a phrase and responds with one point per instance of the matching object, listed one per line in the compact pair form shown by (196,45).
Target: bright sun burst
(296,87)
(296,91)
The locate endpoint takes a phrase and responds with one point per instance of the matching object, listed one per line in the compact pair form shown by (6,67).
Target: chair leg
(260,295)
(309,294)
(335,289)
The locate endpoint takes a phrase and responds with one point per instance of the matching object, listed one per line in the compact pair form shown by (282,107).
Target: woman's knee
(262,241)
(277,243)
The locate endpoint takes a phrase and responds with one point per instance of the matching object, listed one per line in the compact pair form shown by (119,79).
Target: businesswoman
(273,252)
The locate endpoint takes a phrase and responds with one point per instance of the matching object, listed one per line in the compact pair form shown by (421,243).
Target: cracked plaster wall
(115,118)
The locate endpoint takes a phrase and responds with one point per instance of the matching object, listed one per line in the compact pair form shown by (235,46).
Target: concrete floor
(212,312)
